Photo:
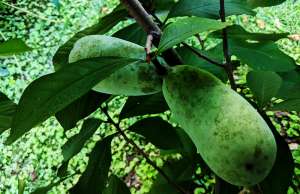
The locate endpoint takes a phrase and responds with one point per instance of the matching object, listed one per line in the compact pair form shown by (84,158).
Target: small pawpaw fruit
(132,80)
(230,135)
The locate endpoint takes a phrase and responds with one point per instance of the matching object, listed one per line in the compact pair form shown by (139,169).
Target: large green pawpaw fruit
(133,80)
(230,135)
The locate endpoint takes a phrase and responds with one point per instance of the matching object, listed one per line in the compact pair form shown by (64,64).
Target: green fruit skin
(230,135)
(135,79)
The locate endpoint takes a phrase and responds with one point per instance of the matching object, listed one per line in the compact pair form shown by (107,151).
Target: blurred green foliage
(45,25)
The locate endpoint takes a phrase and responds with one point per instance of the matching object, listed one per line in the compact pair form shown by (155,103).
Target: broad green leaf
(160,133)
(184,28)
(79,109)
(209,8)
(288,105)
(105,46)
(238,32)
(133,33)
(180,172)
(94,178)
(192,59)
(51,93)
(142,105)
(262,56)
(290,88)
(13,46)
(264,85)
(222,187)
(264,3)
(104,25)
(116,186)
(76,142)
(281,175)
(7,110)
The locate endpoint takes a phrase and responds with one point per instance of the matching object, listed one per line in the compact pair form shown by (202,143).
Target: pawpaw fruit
(230,135)
(132,80)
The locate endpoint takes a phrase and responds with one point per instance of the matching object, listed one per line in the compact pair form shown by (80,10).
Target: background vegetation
(45,25)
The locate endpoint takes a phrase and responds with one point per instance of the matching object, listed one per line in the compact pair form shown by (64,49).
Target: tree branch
(141,152)
(202,56)
(228,64)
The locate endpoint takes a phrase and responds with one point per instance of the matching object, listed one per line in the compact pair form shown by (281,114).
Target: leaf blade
(12,47)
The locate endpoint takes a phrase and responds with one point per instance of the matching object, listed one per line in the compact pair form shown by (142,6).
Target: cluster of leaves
(67,95)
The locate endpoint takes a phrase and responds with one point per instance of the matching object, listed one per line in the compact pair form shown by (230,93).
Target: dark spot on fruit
(249,166)
(257,151)
(266,157)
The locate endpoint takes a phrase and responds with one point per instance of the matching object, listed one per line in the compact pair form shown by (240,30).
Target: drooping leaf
(116,186)
(51,93)
(133,33)
(180,172)
(142,105)
(222,187)
(184,28)
(7,110)
(209,8)
(160,133)
(191,58)
(75,143)
(264,3)
(264,85)
(94,178)
(12,47)
(288,105)
(105,24)
(238,32)
(262,56)
(79,109)
(290,88)
(281,175)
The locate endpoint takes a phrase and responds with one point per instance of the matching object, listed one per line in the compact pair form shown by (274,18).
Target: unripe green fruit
(230,135)
(132,80)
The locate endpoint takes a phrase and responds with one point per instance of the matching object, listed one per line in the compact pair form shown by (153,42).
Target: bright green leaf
(12,47)
(116,186)
(51,93)
(79,109)
(209,8)
(7,110)
(264,85)
(262,56)
(94,178)
(288,105)
(184,28)
(142,105)
(76,142)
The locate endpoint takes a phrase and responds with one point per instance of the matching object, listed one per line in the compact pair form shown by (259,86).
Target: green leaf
(290,88)
(94,178)
(51,93)
(184,28)
(222,187)
(76,143)
(132,33)
(104,25)
(116,186)
(281,175)
(192,59)
(12,47)
(264,85)
(209,8)
(180,172)
(7,110)
(142,105)
(264,3)
(288,105)
(79,109)
(262,56)
(238,32)
(160,133)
